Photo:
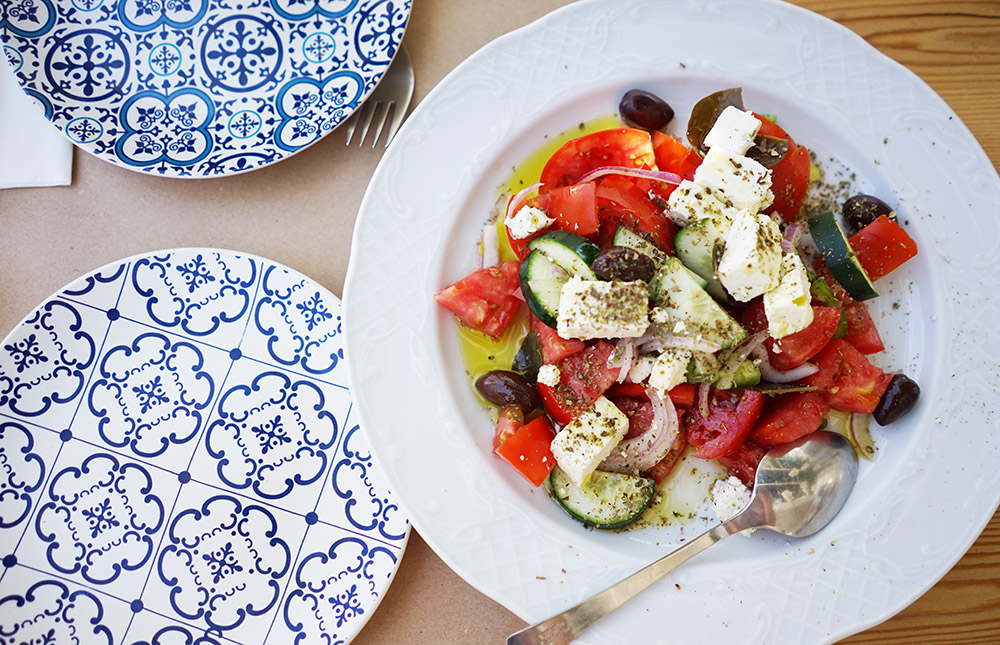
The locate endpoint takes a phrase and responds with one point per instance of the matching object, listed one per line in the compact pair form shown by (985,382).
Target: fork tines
(366,116)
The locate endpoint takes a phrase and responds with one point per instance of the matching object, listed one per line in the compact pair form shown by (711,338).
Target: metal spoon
(799,488)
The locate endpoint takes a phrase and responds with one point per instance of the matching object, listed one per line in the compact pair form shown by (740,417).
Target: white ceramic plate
(180,461)
(934,483)
(199,88)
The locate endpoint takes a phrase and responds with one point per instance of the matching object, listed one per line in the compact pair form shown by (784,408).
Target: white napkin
(32,151)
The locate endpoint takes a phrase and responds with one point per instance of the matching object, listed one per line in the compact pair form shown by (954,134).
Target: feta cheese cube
(548,375)
(528,220)
(736,179)
(691,202)
(729,497)
(587,440)
(670,370)
(751,264)
(599,309)
(789,305)
(734,131)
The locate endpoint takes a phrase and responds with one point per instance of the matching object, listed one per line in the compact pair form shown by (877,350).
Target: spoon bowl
(799,488)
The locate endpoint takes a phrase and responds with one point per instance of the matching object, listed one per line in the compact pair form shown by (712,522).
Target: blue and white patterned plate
(199,88)
(179,462)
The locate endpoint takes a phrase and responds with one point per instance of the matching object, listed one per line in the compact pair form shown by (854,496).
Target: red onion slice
(772,375)
(703,391)
(517,201)
(657,175)
(790,242)
(660,343)
(621,358)
(639,454)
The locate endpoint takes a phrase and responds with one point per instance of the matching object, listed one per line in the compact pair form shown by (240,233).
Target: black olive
(623,263)
(707,110)
(899,398)
(646,111)
(502,387)
(861,210)
(768,151)
(529,357)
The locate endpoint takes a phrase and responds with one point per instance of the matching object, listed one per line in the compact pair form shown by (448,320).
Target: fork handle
(563,628)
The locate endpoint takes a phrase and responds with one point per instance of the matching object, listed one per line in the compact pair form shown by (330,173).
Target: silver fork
(391,96)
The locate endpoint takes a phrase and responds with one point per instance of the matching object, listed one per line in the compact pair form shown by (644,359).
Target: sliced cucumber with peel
(555,257)
(606,500)
(698,245)
(840,257)
(541,283)
(572,252)
(683,299)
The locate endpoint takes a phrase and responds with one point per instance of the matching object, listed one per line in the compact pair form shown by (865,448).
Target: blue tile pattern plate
(179,462)
(199,88)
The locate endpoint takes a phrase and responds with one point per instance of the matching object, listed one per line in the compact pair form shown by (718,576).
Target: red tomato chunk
(787,417)
(527,450)
(484,300)
(731,417)
(846,379)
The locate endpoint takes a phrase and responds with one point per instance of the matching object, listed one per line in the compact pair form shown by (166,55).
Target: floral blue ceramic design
(179,462)
(199,88)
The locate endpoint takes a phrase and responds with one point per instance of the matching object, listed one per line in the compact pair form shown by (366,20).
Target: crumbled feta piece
(599,309)
(734,131)
(789,305)
(691,202)
(751,264)
(548,375)
(735,179)
(587,440)
(642,368)
(670,370)
(528,220)
(729,497)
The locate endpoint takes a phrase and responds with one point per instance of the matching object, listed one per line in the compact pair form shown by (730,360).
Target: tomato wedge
(528,451)
(583,377)
(882,246)
(682,396)
(509,421)
(742,462)
(787,417)
(790,176)
(554,347)
(660,471)
(623,147)
(484,300)
(731,417)
(673,156)
(799,347)
(861,331)
(575,208)
(849,383)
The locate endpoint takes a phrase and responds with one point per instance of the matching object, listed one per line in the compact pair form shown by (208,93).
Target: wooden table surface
(300,212)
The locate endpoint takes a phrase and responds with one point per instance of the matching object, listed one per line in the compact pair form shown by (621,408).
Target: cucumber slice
(541,283)
(570,251)
(698,245)
(676,292)
(628,238)
(606,501)
(840,257)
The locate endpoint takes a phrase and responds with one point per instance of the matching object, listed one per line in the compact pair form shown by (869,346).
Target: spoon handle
(563,628)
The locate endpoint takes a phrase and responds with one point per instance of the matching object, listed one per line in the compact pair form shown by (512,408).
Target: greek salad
(673,298)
